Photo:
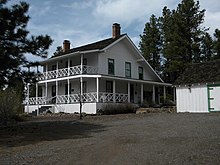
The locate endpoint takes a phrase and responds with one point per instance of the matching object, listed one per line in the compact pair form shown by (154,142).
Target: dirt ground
(129,139)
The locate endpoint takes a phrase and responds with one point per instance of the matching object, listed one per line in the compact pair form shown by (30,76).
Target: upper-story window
(70,63)
(54,67)
(84,61)
(111,66)
(127,69)
(140,73)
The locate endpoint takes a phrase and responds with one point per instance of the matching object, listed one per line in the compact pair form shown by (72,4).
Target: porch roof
(108,77)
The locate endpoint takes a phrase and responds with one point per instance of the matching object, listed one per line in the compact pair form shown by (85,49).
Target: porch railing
(75,98)
(64,72)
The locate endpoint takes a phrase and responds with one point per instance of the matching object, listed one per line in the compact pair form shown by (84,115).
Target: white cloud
(88,21)
(128,11)
(212,14)
(79,5)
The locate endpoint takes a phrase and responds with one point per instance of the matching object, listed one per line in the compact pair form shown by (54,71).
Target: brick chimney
(116,30)
(66,45)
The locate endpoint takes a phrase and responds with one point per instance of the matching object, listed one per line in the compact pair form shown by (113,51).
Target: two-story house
(110,71)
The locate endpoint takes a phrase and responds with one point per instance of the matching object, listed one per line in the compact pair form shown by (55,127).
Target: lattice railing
(121,97)
(75,98)
(64,72)
(109,97)
(106,97)
(51,74)
(89,69)
(75,70)
(89,97)
(36,100)
(62,99)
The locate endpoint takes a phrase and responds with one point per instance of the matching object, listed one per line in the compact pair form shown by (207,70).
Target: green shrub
(10,105)
(109,109)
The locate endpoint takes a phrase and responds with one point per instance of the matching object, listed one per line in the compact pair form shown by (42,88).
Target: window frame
(140,74)
(109,84)
(128,70)
(111,66)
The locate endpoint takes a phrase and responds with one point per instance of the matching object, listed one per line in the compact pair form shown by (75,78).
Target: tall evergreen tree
(150,44)
(217,44)
(207,48)
(15,43)
(182,36)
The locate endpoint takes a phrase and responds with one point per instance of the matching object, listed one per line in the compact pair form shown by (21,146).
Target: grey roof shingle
(96,45)
(207,72)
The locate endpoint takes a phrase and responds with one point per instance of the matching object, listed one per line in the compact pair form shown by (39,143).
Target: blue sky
(86,21)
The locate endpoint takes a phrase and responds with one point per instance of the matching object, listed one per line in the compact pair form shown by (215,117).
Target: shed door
(214,97)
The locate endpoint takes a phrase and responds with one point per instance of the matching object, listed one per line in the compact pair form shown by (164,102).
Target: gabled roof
(93,46)
(207,72)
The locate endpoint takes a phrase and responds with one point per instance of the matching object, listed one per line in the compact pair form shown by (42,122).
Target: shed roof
(207,72)
(93,46)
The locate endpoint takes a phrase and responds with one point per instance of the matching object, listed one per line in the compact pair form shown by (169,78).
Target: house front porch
(66,95)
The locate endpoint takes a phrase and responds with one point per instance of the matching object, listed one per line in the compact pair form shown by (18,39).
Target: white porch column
(142,93)
(114,91)
(37,99)
(56,90)
(153,96)
(68,91)
(46,70)
(129,95)
(164,93)
(46,90)
(68,63)
(97,89)
(81,63)
(57,68)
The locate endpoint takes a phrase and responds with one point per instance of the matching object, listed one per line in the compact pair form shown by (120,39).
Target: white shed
(198,88)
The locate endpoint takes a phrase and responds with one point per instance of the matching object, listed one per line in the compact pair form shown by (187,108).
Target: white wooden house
(198,88)
(105,72)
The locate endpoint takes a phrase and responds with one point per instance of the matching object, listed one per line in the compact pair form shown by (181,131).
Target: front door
(132,93)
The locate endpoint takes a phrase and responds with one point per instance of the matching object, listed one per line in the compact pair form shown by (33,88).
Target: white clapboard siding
(192,99)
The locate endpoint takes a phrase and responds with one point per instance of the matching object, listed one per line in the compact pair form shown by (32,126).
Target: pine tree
(15,43)
(207,48)
(182,37)
(150,44)
(217,44)
(58,50)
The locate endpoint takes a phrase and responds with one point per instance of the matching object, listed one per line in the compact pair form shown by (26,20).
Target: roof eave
(69,54)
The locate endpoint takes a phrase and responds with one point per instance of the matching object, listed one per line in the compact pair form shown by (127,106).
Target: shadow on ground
(34,132)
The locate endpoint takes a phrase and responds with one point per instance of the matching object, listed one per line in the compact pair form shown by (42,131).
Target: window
(109,86)
(69,63)
(111,66)
(140,72)
(84,61)
(84,87)
(54,67)
(127,69)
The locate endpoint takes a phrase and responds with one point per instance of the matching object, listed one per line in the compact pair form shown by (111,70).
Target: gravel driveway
(130,139)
